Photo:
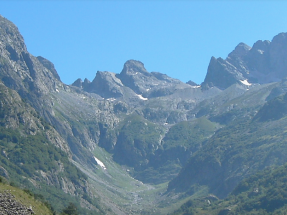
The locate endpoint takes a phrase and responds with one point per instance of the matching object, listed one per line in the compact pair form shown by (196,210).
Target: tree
(71,209)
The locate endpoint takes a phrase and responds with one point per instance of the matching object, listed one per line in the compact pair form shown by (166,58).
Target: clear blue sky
(176,38)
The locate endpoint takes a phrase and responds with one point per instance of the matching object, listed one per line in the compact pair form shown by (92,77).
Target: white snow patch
(57,90)
(245,82)
(100,163)
(196,86)
(141,97)
(260,51)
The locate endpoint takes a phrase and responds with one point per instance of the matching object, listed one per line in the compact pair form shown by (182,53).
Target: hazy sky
(176,38)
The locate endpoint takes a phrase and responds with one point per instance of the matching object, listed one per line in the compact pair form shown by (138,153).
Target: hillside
(17,201)
(262,193)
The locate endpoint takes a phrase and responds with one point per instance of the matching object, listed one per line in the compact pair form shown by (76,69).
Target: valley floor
(122,194)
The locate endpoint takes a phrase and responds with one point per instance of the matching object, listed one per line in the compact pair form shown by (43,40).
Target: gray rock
(9,206)
(263,63)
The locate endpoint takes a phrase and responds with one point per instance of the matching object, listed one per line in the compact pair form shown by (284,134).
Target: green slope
(31,160)
(263,193)
(235,152)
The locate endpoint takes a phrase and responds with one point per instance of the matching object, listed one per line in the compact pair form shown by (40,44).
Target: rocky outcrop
(8,205)
(191,83)
(107,85)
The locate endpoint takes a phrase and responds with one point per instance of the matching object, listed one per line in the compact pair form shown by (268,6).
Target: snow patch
(142,98)
(57,90)
(260,51)
(100,163)
(196,86)
(245,82)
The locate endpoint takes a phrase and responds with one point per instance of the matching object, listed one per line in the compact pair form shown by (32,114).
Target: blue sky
(176,38)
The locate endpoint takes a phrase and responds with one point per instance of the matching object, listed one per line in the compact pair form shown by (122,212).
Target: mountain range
(139,142)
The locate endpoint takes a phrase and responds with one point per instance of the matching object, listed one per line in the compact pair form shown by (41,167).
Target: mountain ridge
(261,63)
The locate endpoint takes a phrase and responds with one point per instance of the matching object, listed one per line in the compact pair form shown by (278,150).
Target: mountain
(262,63)
(138,142)
(34,155)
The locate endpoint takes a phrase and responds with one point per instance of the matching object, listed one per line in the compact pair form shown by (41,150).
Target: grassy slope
(26,199)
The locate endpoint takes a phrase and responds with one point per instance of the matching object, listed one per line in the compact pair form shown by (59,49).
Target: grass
(25,199)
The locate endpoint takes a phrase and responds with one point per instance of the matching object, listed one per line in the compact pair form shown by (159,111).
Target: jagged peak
(105,73)
(240,50)
(78,83)
(9,30)
(134,67)
(87,81)
(261,45)
(107,76)
(280,37)
(50,66)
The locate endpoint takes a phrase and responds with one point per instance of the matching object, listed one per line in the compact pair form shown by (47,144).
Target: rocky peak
(50,66)
(221,74)
(280,38)
(106,84)
(240,50)
(265,62)
(10,36)
(136,77)
(133,67)
(78,83)
(261,45)
(36,76)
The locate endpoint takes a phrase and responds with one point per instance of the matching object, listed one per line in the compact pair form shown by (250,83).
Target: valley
(140,142)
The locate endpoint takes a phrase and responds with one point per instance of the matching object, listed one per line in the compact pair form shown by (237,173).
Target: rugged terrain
(139,142)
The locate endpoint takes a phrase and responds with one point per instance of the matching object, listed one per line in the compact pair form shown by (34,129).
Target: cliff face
(264,62)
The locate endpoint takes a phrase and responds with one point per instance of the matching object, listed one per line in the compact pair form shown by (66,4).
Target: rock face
(263,63)
(107,85)
(133,81)
(8,205)
(15,57)
(154,84)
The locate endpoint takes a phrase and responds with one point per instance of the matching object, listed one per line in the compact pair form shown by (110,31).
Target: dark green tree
(71,209)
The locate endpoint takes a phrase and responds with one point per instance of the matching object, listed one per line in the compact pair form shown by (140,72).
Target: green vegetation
(137,140)
(154,161)
(244,147)
(29,160)
(263,193)
(70,210)
(189,134)
(27,198)
(273,109)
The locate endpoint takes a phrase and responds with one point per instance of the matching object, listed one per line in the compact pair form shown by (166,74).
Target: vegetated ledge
(14,200)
